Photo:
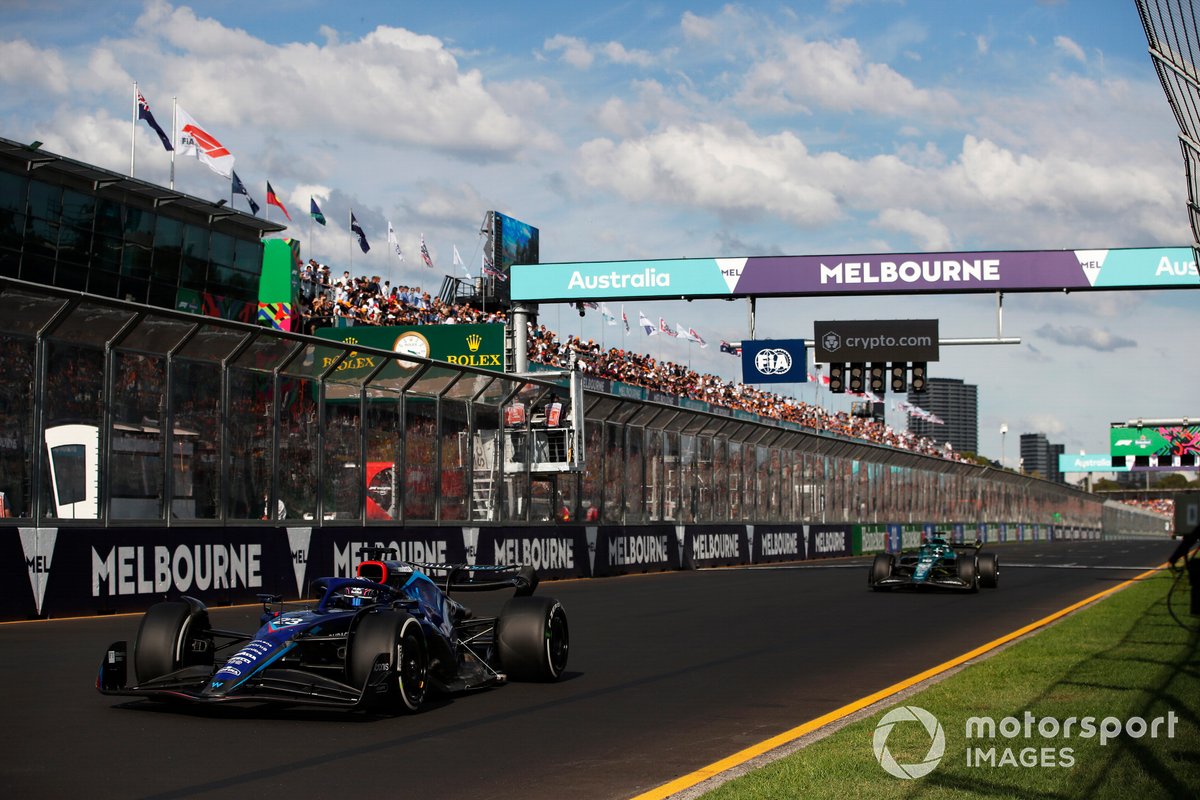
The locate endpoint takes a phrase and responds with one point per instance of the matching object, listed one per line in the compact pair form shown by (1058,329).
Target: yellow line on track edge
(754,751)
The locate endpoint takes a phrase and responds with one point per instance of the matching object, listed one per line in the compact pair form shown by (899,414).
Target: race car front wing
(280,685)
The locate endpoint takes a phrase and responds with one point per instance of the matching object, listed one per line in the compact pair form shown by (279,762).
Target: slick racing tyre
(172,636)
(532,639)
(399,636)
(968,570)
(881,568)
(989,570)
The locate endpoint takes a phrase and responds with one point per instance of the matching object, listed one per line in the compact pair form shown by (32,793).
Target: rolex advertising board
(480,346)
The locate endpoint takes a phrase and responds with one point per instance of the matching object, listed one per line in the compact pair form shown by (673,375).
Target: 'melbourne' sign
(897,273)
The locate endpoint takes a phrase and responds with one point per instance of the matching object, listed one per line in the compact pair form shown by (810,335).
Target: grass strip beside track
(1125,658)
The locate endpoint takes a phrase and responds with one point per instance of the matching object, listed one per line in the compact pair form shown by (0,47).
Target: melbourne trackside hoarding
(69,571)
(715,545)
(875,340)
(479,346)
(1029,270)
(774,361)
(778,543)
(830,541)
(620,550)
(555,552)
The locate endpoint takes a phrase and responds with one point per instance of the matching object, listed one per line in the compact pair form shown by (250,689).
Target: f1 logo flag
(194,140)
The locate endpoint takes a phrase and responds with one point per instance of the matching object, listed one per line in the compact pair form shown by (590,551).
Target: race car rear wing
(522,578)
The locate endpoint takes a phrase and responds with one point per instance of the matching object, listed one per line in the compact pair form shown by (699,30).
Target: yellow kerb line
(765,746)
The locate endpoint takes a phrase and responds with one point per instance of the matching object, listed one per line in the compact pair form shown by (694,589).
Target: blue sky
(672,129)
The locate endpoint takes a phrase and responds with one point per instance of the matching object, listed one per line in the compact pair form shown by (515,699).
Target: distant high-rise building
(1039,456)
(957,405)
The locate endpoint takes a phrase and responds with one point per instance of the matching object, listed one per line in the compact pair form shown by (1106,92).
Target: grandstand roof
(41,161)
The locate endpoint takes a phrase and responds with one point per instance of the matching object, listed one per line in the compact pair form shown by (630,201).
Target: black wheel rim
(557,642)
(410,671)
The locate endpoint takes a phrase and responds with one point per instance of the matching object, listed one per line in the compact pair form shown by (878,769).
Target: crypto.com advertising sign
(876,340)
(912,273)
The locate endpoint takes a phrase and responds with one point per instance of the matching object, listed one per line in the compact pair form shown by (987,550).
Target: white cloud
(726,170)
(1049,424)
(808,75)
(617,53)
(22,64)
(698,28)
(574,50)
(105,140)
(582,55)
(391,85)
(1080,336)
(1070,48)
(928,232)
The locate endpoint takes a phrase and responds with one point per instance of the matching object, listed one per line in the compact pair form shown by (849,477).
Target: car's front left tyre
(881,569)
(397,635)
(968,572)
(172,635)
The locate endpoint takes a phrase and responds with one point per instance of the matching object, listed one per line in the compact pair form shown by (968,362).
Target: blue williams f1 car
(936,563)
(379,641)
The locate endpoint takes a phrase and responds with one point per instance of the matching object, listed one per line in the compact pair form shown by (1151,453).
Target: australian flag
(734,349)
(425,253)
(240,188)
(358,231)
(144,113)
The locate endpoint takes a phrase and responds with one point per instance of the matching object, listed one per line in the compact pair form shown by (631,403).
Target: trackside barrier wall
(69,571)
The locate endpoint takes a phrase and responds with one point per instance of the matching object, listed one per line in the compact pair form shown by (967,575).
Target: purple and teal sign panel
(1085,462)
(1026,270)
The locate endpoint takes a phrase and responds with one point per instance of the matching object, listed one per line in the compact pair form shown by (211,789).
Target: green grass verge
(1124,657)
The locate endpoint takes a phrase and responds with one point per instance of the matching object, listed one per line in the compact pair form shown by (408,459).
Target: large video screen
(513,242)
(1155,446)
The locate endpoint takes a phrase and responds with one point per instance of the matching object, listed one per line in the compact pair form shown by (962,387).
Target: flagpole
(352,244)
(174,134)
(133,131)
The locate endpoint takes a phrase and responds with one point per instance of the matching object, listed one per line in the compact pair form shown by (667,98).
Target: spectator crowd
(1157,505)
(338,301)
(328,301)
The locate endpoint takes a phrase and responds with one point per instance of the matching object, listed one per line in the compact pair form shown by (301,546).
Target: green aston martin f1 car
(937,563)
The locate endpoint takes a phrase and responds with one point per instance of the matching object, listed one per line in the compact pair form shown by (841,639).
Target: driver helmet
(359,596)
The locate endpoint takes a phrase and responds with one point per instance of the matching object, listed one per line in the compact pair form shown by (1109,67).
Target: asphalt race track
(668,672)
